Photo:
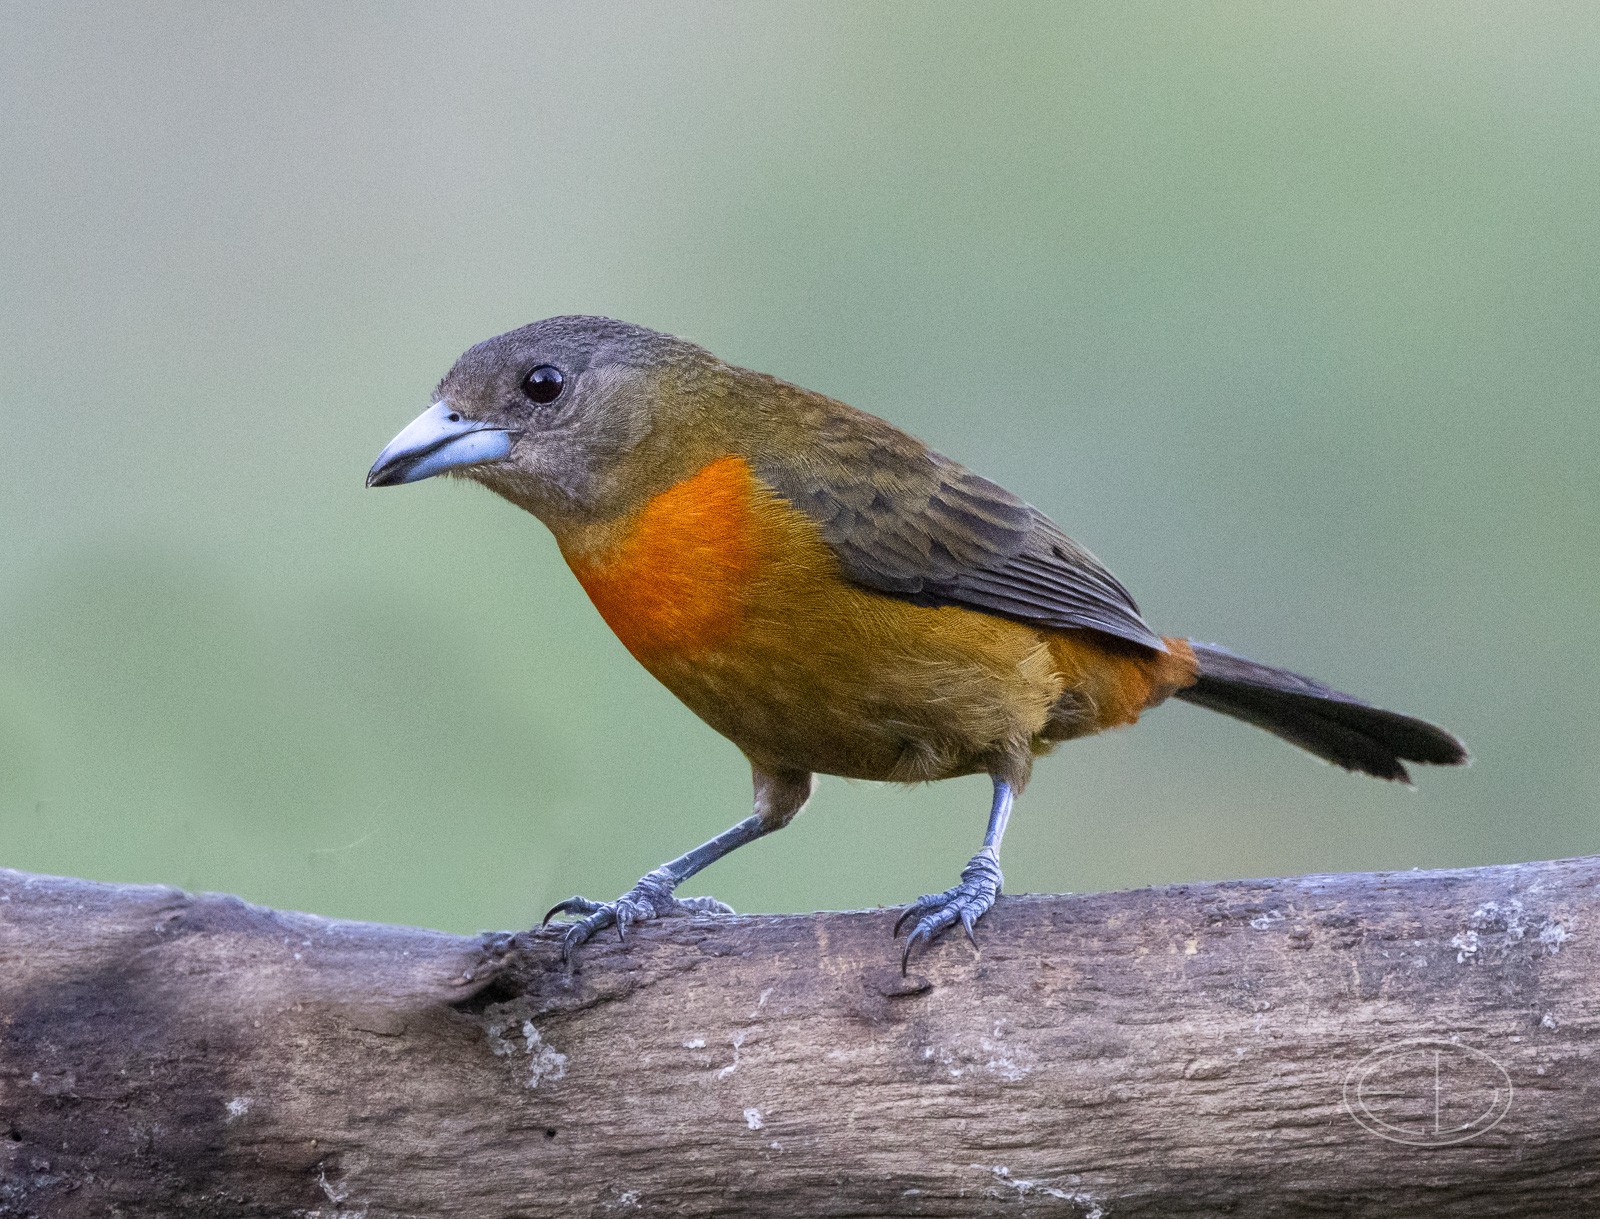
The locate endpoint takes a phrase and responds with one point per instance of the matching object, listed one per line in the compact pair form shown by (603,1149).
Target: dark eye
(543,384)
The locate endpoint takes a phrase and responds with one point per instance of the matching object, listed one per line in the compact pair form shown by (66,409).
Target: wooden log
(1417,1043)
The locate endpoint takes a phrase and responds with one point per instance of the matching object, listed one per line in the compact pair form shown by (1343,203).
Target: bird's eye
(543,384)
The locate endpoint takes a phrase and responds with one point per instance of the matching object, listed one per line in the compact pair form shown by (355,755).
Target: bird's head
(572,418)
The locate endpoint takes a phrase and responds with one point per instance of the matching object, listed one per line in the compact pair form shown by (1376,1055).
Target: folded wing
(913,524)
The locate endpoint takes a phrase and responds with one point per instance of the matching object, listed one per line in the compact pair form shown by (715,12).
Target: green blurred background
(1288,311)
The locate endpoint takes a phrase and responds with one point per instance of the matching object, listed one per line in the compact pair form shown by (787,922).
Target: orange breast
(675,579)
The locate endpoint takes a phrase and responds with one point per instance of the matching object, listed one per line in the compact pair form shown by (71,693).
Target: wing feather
(909,522)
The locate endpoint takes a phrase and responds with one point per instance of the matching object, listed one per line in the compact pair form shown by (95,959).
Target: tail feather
(1342,729)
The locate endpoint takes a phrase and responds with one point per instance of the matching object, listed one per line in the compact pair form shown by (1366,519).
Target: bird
(830,594)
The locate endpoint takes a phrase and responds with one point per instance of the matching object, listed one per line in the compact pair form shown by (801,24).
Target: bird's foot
(651,898)
(966,903)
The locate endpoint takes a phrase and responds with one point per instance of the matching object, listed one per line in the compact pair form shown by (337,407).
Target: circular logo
(1427,1092)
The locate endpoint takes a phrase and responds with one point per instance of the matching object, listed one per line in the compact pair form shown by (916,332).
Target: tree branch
(1192,1050)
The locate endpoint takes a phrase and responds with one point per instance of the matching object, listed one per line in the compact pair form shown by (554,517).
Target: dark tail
(1344,730)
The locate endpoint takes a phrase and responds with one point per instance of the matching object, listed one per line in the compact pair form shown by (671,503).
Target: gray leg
(972,896)
(778,798)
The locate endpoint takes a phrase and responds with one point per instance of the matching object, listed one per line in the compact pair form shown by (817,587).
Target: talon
(573,905)
(923,904)
(569,942)
(901,921)
(911,942)
(968,922)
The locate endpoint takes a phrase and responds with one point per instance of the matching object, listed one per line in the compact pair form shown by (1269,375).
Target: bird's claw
(651,898)
(967,902)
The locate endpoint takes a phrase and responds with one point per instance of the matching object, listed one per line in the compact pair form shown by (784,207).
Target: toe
(923,904)
(573,905)
(702,905)
(926,931)
(583,929)
(629,909)
(935,924)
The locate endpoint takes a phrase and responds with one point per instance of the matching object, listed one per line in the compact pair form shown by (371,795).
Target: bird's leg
(972,896)
(778,798)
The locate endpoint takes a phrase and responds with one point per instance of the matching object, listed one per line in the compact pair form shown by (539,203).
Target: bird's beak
(439,439)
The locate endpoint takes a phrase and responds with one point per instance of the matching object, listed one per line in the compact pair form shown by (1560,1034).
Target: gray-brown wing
(911,523)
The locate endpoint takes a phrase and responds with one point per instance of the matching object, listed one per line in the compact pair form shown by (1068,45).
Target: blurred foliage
(1287,311)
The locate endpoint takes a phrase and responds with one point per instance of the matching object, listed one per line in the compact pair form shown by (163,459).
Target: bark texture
(1328,1045)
